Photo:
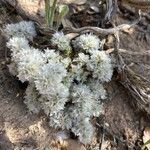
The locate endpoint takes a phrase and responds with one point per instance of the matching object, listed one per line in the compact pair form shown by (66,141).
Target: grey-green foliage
(22,29)
(87,43)
(68,89)
(32,98)
(50,13)
(61,41)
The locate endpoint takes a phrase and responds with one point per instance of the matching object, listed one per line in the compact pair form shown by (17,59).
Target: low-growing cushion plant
(68,88)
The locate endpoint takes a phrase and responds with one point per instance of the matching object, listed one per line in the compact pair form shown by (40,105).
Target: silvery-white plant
(61,41)
(68,89)
(17,44)
(22,29)
(87,43)
(49,83)
(32,98)
(100,65)
(30,65)
(27,64)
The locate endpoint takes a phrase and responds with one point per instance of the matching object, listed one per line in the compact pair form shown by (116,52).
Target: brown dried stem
(137,85)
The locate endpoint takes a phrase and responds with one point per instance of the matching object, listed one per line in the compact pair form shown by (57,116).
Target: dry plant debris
(146,137)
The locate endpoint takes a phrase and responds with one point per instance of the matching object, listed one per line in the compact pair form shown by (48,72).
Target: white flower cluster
(61,41)
(46,70)
(87,42)
(69,90)
(27,59)
(22,29)
(76,116)
(32,98)
(49,83)
(100,65)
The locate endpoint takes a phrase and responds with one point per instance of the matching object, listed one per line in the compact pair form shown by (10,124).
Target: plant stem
(52,14)
(47,11)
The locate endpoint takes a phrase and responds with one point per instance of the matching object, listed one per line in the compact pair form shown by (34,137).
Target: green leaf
(146,143)
(47,11)
(63,10)
(52,14)
(50,6)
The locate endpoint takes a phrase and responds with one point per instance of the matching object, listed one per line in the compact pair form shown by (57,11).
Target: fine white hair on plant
(52,55)
(49,74)
(87,42)
(57,120)
(16,44)
(69,89)
(49,83)
(84,97)
(66,62)
(61,41)
(31,99)
(82,59)
(29,65)
(22,29)
(84,129)
(97,89)
(78,67)
(56,100)
(78,72)
(100,65)
(79,124)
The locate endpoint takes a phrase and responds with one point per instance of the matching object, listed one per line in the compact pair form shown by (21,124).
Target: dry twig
(137,85)
(98,30)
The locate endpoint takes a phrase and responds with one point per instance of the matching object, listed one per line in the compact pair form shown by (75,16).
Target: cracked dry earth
(20,130)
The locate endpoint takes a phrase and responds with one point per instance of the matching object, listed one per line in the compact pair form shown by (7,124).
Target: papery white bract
(22,29)
(61,41)
(30,65)
(16,44)
(31,99)
(87,42)
(49,83)
(100,65)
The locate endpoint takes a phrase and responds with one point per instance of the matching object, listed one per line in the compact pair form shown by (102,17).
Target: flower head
(32,99)
(16,44)
(29,65)
(61,41)
(100,65)
(87,42)
(22,29)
